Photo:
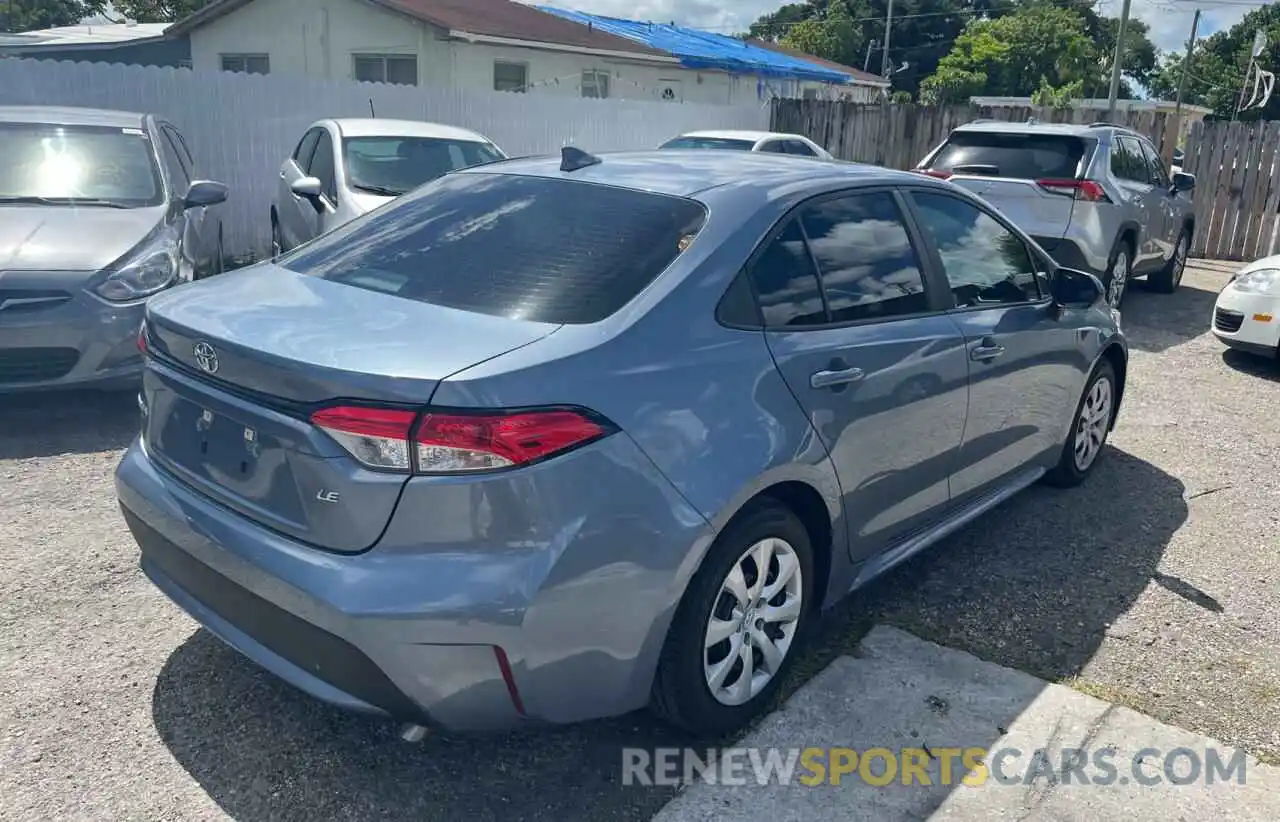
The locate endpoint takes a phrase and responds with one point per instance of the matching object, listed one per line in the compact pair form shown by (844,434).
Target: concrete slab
(905,693)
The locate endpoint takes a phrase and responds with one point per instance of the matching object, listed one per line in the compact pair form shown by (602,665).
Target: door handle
(986,350)
(827,379)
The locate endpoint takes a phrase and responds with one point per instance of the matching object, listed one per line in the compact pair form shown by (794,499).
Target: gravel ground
(1156,585)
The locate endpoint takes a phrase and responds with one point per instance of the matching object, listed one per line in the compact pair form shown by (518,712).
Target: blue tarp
(704,50)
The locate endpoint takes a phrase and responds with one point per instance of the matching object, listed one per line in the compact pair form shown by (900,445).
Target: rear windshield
(531,248)
(709,142)
(78,164)
(394,165)
(1023,156)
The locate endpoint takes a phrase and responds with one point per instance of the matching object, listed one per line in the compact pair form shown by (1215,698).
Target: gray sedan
(550,440)
(99,210)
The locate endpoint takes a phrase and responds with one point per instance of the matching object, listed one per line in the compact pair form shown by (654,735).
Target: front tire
(1089,429)
(736,632)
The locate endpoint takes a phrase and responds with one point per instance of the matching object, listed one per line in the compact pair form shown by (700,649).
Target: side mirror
(310,188)
(1183,182)
(203,193)
(1076,289)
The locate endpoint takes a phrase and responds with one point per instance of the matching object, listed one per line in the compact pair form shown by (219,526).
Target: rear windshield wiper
(976,168)
(61,201)
(380,190)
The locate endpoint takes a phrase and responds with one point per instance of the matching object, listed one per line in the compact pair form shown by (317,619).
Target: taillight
(142,338)
(457,442)
(1086,190)
(941,175)
(376,437)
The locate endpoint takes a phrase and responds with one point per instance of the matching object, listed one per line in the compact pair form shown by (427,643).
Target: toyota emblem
(206,357)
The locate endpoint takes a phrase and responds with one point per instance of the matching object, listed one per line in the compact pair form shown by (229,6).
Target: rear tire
(692,657)
(1119,270)
(1089,429)
(1167,279)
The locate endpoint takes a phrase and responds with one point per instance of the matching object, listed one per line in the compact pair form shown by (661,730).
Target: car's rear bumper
(564,626)
(1249,322)
(80,343)
(1070,253)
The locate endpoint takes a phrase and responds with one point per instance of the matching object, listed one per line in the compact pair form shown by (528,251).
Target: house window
(510,76)
(595,84)
(810,94)
(379,68)
(247,63)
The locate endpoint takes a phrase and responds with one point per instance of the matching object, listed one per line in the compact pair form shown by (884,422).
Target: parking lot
(1155,586)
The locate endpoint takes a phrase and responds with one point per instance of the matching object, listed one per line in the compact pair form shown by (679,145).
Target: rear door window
(798,147)
(1014,155)
(867,265)
(1127,161)
(773,147)
(532,248)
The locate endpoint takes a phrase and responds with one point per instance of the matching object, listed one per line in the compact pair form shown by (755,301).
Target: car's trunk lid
(240,362)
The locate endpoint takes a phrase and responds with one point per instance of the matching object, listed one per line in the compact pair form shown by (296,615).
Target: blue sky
(1170,20)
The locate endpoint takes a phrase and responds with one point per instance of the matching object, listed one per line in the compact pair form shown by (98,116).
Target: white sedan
(768,141)
(1247,314)
(341,169)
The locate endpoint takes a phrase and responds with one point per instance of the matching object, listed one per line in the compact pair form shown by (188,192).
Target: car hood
(70,238)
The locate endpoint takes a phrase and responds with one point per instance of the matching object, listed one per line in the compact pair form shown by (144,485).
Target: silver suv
(1095,197)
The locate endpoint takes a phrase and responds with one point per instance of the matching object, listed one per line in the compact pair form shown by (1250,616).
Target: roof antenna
(372,113)
(572,159)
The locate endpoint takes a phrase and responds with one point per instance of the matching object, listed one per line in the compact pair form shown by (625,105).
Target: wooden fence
(900,135)
(1237,196)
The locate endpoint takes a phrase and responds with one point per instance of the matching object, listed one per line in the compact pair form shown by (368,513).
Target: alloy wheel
(1092,424)
(753,621)
(1119,279)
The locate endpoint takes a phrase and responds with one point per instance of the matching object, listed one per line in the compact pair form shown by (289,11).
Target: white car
(1247,313)
(769,141)
(341,169)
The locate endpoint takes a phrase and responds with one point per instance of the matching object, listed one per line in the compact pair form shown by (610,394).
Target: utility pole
(888,25)
(1117,63)
(866,64)
(1186,67)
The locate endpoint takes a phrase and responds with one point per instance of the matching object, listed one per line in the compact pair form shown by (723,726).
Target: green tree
(1219,64)
(157,11)
(1015,55)
(842,30)
(27,15)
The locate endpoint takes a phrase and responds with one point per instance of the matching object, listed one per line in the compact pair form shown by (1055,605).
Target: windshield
(394,165)
(531,248)
(709,142)
(78,165)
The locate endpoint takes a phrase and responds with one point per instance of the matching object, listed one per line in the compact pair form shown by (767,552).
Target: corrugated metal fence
(241,126)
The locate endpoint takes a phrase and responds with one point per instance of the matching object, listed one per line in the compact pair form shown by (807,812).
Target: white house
(481,44)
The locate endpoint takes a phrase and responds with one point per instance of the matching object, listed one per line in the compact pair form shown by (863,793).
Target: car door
(861,337)
(199,227)
(1141,202)
(298,219)
(1024,369)
(1165,222)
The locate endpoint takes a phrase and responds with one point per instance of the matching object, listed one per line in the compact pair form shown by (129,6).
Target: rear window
(1021,156)
(709,142)
(531,248)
